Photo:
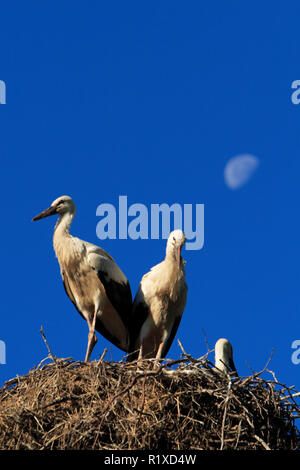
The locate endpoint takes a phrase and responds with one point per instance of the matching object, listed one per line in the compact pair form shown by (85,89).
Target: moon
(239,170)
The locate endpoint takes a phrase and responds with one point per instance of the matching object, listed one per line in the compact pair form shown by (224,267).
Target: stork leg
(92,338)
(140,352)
(140,357)
(158,354)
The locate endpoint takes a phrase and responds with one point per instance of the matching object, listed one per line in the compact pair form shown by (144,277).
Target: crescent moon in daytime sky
(239,170)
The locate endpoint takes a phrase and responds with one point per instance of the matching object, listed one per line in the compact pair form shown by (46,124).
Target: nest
(181,405)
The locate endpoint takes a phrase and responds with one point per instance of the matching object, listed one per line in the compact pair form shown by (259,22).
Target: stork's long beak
(50,211)
(179,254)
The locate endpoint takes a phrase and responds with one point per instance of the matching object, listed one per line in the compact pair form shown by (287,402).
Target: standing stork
(224,356)
(92,280)
(159,304)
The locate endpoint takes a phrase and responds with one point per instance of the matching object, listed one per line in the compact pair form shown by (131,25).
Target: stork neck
(62,227)
(173,257)
(62,237)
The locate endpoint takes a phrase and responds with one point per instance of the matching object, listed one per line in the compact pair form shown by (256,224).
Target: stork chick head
(223,354)
(61,206)
(175,243)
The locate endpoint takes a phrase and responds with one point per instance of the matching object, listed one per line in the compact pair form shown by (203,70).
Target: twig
(182,349)
(205,339)
(143,401)
(259,439)
(290,396)
(238,434)
(102,355)
(224,414)
(257,374)
(47,345)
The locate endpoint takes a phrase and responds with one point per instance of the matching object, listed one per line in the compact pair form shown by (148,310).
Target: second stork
(159,304)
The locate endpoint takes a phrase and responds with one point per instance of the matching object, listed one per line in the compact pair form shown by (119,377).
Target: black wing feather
(119,295)
(171,336)
(137,319)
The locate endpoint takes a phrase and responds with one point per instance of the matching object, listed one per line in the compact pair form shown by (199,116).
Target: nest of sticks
(181,405)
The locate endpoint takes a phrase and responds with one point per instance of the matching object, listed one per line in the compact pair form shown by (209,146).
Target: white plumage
(92,280)
(159,304)
(224,356)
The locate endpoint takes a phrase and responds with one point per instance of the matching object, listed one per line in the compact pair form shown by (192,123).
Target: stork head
(224,355)
(61,206)
(175,243)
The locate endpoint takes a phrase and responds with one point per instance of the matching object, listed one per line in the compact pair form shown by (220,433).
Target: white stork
(159,304)
(92,280)
(224,356)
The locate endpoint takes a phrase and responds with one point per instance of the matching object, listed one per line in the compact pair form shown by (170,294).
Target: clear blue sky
(150,100)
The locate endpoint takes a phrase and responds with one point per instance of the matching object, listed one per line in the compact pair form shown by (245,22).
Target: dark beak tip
(46,213)
(36,217)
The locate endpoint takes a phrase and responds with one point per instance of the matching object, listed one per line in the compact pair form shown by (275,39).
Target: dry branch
(183,404)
